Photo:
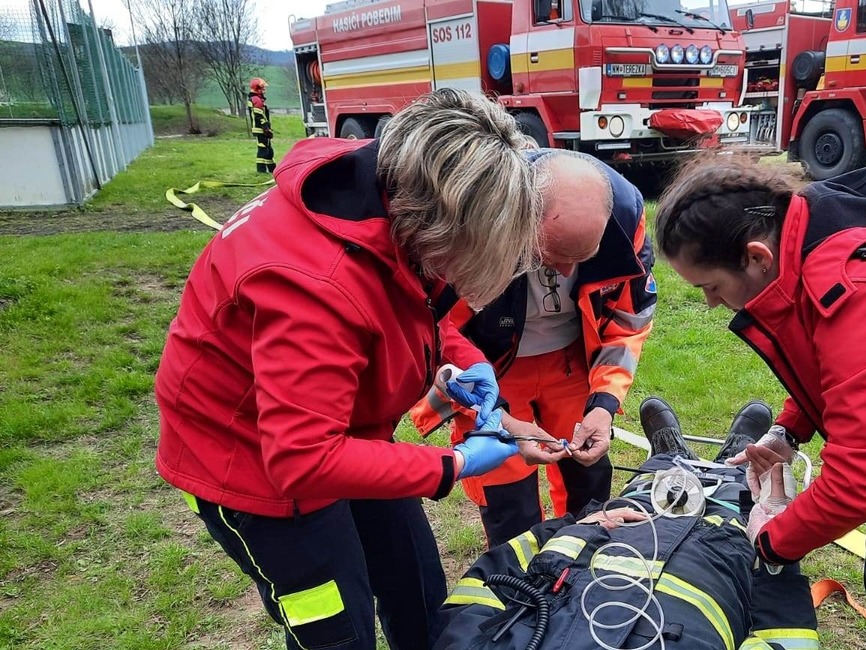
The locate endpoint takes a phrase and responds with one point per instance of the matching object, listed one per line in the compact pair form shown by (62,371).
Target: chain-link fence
(60,70)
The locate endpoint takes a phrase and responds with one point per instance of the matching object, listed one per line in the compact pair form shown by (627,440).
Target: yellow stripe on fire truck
(542,51)
(382,69)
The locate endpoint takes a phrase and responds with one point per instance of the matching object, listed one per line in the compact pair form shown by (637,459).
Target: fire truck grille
(680,89)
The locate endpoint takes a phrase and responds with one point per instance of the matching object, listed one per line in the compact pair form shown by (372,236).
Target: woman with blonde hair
(792,264)
(308,326)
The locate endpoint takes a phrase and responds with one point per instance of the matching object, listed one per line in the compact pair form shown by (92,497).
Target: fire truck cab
(625,80)
(806,81)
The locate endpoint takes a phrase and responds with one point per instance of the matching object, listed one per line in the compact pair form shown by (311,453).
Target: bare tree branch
(170,56)
(225,29)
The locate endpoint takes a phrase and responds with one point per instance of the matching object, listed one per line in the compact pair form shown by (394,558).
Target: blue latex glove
(481,453)
(476,386)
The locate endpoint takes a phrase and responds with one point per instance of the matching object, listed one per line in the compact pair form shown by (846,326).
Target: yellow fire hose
(171,195)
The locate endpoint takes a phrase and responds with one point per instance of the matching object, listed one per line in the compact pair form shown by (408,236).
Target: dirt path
(77,221)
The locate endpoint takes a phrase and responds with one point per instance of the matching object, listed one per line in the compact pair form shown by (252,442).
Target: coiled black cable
(542,607)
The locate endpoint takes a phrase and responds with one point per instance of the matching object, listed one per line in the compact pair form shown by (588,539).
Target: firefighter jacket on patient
(702,579)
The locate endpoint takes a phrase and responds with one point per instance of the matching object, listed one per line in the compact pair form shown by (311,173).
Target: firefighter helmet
(258,85)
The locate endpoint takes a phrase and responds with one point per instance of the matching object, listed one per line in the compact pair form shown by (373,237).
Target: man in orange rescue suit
(565,342)
(260,118)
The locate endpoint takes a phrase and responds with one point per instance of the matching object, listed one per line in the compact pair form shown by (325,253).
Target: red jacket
(809,325)
(303,336)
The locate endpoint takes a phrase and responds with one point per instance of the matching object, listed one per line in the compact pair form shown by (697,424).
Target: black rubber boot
(749,424)
(662,428)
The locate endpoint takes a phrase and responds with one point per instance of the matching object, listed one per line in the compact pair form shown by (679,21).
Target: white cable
(677,478)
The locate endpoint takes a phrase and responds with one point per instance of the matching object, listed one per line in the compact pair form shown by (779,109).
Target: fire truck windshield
(690,14)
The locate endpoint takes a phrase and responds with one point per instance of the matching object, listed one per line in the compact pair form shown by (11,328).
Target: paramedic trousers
(551,389)
(317,573)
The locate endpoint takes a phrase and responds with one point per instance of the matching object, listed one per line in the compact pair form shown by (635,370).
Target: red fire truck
(625,80)
(806,80)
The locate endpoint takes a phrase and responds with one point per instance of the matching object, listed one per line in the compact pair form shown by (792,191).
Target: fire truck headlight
(692,54)
(616,126)
(677,53)
(663,53)
(733,121)
(706,54)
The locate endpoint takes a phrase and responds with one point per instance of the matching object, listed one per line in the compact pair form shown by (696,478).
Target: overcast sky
(273,18)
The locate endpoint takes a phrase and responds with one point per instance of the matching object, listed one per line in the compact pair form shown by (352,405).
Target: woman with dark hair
(792,264)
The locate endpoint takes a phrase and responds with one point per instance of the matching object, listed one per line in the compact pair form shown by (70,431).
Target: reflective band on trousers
(313,604)
(525,547)
(791,638)
(706,604)
(472,591)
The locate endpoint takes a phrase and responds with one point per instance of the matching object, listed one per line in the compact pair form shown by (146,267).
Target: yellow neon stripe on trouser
(311,605)
(472,591)
(753,643)
(172,192)
(706,604)
(190,501)
(259,571)
(525,547)
(791,638)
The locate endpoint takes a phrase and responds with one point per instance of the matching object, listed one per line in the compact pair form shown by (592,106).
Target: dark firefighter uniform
(260,118)
(703,579)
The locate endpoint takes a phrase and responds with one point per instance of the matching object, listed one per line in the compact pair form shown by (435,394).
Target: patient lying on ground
(667,564)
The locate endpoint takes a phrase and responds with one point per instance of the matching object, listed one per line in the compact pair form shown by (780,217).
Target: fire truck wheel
(532,126)
(832,144)
(356,129)
(381,125)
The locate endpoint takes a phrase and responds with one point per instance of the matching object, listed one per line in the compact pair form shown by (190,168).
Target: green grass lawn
(96,552)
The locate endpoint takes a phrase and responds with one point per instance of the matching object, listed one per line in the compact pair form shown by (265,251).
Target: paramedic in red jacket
(792,265)
(308,326)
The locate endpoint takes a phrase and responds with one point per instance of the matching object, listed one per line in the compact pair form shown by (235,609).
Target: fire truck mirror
(542,10)
(750,19)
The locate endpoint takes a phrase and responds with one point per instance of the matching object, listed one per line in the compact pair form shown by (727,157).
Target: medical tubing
(542,608)
(622,581)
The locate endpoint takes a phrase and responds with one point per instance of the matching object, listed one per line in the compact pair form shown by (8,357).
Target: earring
(764,270)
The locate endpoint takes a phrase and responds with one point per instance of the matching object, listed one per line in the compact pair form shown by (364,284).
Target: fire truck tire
(532,126)
(832,144)
(381,125)
(356,129)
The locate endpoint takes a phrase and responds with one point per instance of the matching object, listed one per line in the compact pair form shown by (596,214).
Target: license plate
(626,69)
(723,71)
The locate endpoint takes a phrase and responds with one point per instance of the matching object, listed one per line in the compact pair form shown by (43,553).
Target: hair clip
(763,211)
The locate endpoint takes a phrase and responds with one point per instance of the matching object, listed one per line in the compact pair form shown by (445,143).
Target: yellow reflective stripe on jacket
(472,591)
(754,643)
(567,545)
(525,547)
(313,604)
(791,638)
(706,604)
(716,520)
(630,566)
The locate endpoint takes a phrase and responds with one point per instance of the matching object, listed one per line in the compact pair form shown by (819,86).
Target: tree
(168,29)
(225,29)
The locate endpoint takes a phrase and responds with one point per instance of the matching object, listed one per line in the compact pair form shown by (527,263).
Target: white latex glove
(772,448)
(777,490)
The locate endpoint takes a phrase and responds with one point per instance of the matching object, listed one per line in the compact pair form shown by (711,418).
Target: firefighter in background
(260,119)
(565,342)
